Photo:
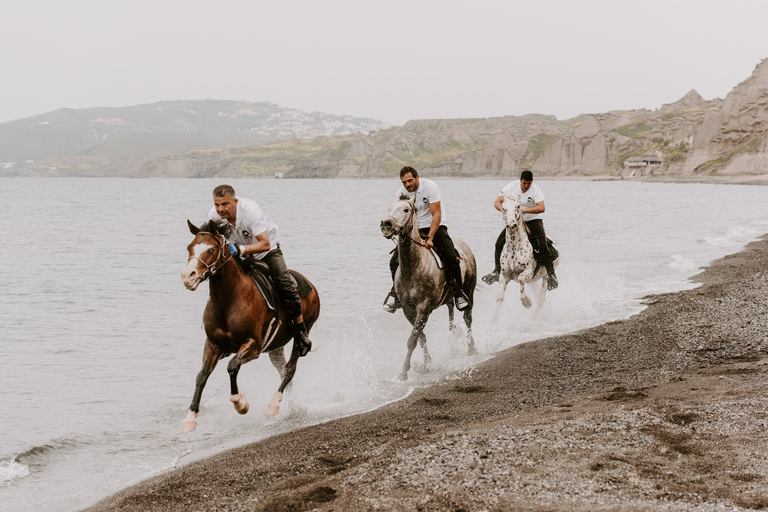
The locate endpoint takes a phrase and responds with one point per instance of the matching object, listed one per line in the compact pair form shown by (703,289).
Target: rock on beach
(666,410)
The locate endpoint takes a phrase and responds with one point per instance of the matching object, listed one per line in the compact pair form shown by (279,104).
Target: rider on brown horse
(253,235)
(429,216)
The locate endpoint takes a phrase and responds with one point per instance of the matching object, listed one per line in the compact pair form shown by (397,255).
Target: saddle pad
(301,283)
(260,275)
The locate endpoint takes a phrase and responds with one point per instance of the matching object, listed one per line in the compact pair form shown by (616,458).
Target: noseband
(212,269)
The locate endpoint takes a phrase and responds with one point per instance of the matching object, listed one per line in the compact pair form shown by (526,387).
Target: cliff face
(732,139)
(691,135)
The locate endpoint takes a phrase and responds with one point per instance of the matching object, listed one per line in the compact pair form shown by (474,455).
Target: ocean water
(101,342)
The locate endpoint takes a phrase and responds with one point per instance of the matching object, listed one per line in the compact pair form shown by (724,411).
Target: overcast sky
(390,60)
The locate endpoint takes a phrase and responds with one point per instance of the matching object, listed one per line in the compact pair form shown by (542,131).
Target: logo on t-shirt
(426,201)
(245,233)
(530,200)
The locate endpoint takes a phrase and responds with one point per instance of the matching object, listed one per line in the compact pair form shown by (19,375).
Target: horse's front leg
(211,355)
(418,322)
(471,340)
(503,282)
(248,352)
(523,278)
(451,323)
(541,298)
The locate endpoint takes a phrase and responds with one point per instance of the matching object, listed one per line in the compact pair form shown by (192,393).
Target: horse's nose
(386,224)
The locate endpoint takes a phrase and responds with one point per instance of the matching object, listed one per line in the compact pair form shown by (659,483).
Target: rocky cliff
(688,137)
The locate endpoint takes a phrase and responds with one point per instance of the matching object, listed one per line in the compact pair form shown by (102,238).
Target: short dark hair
(526,176)
(408,169)
(223,190)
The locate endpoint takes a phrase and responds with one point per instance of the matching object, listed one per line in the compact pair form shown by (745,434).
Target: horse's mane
(404,197)
(206,227)
(525,225)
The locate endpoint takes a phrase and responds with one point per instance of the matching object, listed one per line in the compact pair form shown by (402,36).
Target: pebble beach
(666,410)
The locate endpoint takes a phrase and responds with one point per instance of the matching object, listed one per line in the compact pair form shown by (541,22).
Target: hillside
(87,140)
(689,137)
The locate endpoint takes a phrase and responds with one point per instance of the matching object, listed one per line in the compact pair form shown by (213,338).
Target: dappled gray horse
(420,283)
(517,260)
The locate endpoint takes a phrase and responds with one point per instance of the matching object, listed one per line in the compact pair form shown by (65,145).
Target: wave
(37,455)
(12,470)
(24,463)
(735,236)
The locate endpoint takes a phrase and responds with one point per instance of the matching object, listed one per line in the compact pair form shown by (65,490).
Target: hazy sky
(390,60)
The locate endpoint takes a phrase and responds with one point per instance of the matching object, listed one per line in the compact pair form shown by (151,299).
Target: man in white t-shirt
(430,218)
(532,206)
(253,235)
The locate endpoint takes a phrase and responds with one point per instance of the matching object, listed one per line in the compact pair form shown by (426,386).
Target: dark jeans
(284,282)
(444,248)
(537,237)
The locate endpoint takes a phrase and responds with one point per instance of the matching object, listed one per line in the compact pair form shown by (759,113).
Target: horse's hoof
(526,303)
(472,351)
(240,403)
(190,422)
(403,376)
(273,407)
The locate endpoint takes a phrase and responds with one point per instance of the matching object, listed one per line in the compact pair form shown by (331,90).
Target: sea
(100,342)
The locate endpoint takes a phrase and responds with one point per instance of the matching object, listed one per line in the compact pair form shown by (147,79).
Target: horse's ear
(404,197)
(192,228)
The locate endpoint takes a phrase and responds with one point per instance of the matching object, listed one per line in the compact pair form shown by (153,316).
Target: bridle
(211,269)
(399,230)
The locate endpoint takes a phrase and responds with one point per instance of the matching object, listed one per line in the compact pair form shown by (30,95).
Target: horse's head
(206,255)
(510,210)
(399,218)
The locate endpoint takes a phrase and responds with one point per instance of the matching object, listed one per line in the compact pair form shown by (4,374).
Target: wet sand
(667,410)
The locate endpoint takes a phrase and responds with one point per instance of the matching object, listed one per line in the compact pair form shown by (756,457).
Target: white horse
(517,261)
(419,283)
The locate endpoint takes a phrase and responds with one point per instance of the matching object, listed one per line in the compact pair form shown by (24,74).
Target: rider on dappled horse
(532,207)
(429,217)
(253,236)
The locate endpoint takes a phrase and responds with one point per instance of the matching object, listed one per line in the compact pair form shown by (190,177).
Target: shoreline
(628,415)
(746,179)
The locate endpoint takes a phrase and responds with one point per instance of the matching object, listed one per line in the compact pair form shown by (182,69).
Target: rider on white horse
(429,216)
(532,206)
(253,235)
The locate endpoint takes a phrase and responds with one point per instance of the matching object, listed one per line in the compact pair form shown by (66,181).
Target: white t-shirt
(426,193)
(527,200)
(249,223)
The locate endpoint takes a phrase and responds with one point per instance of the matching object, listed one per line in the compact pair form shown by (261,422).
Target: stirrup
(390,306)
(551,282)
(491,278)
(461,302)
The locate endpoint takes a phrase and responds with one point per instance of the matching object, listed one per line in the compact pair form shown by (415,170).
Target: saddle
(437,257)
(259,272)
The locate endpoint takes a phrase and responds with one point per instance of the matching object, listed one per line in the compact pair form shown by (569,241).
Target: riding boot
(492,277)
(461,300)
(390,306)
(301,338)
(552,278)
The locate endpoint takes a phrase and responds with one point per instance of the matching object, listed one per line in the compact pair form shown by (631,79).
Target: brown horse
(237,320)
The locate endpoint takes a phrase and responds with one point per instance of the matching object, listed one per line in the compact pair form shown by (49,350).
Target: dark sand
(666,410)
